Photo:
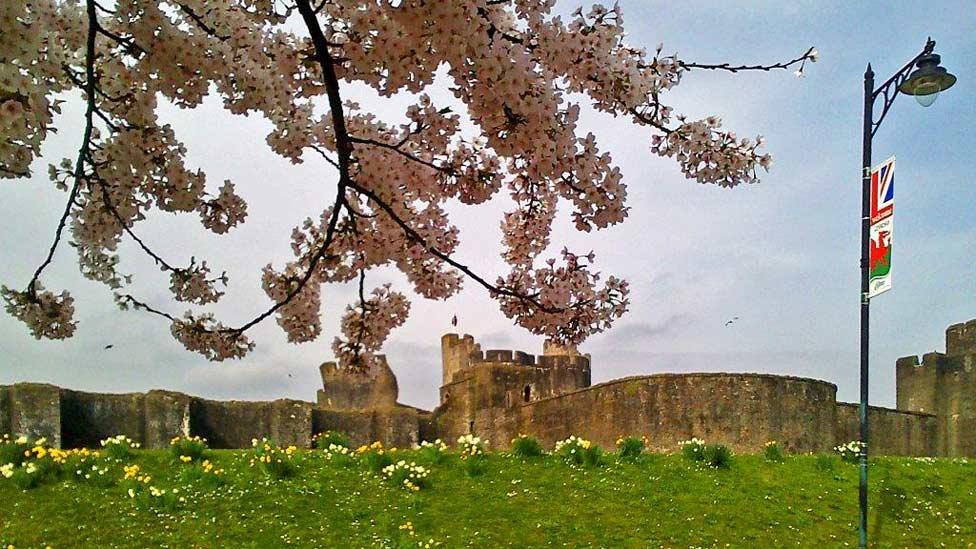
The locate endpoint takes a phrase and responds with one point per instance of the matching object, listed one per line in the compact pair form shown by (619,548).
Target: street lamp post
(925,83)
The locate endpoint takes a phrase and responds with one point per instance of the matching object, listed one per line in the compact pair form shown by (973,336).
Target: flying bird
(730,322)
(109,346)
(454,321)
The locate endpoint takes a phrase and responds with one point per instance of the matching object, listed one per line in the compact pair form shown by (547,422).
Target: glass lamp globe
(927,80)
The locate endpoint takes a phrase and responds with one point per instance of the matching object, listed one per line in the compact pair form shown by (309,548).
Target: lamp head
(927,80)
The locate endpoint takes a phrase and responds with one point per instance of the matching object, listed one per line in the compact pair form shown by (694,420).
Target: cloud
(240,382)
(633,334)
(417,367)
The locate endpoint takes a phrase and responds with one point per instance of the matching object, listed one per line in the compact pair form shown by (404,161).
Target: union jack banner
(882,225)
(882,190)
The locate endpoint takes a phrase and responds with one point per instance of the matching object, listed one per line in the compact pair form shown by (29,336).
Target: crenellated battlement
(961,338)
(944,384)
(520,358)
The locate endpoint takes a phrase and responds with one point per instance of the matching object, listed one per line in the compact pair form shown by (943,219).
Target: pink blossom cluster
(32,52)
(48,316)
(711,156)
(517,69)
(563,303)
(366,326)
(192,285)
(300,317)
(204,335)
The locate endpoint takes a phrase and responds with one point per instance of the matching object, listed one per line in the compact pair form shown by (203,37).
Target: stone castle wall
(743,411)
(75,419)
(152,418)
(498,394)
(233,424)
(936,413)
(890,432)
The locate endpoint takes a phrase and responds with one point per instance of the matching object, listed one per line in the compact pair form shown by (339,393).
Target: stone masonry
(498,394)
(944,384)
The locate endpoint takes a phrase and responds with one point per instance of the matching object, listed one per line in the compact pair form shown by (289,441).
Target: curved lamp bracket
(889,89)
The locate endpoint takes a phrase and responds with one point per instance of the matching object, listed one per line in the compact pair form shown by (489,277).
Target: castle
(499,394)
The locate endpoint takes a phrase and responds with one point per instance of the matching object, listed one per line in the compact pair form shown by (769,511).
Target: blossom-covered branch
(517,68)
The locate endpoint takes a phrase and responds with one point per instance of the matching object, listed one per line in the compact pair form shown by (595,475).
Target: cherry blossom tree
(512,63)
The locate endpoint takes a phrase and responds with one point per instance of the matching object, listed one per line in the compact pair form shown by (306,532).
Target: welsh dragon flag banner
(882,208)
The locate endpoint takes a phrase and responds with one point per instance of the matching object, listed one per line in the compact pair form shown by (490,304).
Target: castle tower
(342,389)
(483,390)
(551,348)
(456,354)
(944,384)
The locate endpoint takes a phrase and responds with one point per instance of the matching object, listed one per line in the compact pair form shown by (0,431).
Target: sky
(782,255)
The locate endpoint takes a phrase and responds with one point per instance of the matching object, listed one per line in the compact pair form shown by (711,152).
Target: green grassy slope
(661,500)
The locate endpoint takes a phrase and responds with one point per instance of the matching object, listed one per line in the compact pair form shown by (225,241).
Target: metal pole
(865,302)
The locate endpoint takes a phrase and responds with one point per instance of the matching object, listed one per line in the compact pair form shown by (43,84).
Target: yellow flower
(186,459)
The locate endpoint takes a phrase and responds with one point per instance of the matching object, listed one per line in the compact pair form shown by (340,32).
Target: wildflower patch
(275,462)
(410,476)
(119,447)
(188,449)
(579,452)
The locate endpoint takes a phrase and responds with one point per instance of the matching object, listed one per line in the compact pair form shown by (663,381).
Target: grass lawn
(657,500)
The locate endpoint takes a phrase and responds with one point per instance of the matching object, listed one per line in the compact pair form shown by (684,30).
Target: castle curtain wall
(233,424)
(498,394)
(89,418)
(891,432)
(742,410)
(32,409)
(399,426)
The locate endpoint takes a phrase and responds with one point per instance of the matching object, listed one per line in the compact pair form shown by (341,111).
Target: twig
(728,67)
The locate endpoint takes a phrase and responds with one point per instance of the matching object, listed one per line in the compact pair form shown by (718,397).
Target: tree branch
(810,54)
(343,147)
(412,234)
(85,140)
(405,154)
(200,23)
(127,43)
(128,299)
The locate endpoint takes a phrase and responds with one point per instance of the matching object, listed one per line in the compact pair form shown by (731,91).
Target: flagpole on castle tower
(924,82)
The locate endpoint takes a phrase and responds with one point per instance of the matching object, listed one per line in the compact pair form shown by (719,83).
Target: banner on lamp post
(882,210)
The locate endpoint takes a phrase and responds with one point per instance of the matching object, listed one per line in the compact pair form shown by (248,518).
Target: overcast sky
(782,255)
